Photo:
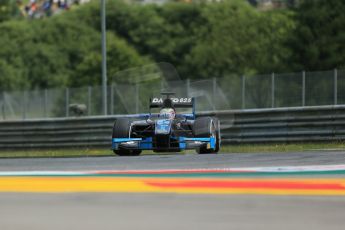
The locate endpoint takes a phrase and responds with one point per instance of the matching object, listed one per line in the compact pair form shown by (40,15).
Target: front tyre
(121,129)
(207,127)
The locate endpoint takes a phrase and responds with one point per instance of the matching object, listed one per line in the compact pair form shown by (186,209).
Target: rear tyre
(207,127)
(121,129)
(218,136)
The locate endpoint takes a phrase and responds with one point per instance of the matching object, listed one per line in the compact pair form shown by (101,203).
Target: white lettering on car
(157,100)
(174,100)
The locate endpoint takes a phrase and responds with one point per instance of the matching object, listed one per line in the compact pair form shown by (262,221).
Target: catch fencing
(283,125)
(228,93)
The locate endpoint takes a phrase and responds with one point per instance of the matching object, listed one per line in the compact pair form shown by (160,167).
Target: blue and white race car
(166,131)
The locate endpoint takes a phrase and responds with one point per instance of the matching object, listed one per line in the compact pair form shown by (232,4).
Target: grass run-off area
(241,148)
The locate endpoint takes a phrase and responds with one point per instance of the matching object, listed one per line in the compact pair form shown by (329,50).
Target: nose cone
(163,126)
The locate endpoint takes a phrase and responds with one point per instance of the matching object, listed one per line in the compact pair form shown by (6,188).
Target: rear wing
(183,102)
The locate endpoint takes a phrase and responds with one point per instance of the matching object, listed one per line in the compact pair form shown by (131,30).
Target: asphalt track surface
(175,161)
(171,211)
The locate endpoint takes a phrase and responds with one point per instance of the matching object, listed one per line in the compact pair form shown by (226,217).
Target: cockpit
(167,113)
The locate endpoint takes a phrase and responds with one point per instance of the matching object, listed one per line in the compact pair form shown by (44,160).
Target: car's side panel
(146,143)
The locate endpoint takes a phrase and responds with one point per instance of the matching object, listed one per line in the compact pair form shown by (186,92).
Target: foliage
(229,38)
(120,56)
(206,40)
(57,52)
(319,40)
(5,10)
(239,39)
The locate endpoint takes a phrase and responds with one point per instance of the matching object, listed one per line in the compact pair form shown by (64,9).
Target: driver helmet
(168,113)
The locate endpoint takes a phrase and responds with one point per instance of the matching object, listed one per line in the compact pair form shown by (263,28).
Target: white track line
(308,168)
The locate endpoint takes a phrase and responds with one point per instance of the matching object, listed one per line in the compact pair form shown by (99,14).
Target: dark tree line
(201,40)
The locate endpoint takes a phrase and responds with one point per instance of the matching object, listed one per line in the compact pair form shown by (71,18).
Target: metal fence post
(243,92)
(45,103)
(89,96)
(104,57)
(137,98)
(112,98)
(335,86)
(24,105)
(214,91)
(188,87)
(273,89)
(3,106)
(67,102)
(303,88)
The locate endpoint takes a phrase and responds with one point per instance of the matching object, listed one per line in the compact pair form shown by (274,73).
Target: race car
(166,131)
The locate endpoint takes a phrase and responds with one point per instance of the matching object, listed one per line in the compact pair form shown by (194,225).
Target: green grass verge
(298,147)
(55,153)
(243,148)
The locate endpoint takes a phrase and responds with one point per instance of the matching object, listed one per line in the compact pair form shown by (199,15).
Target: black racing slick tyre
(121,129)
(207,127)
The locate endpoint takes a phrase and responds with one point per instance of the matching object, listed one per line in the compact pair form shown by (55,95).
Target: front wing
(147,144)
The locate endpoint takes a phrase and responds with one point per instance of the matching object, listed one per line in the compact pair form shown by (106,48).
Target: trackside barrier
(319,123)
